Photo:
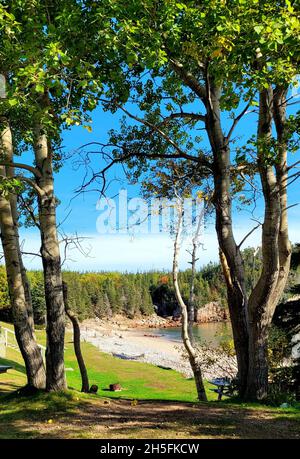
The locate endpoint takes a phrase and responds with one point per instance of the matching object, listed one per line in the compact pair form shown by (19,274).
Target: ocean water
(211,333)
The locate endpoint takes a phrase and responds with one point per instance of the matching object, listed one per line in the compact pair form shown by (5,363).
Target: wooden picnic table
(224,386)
(4,368)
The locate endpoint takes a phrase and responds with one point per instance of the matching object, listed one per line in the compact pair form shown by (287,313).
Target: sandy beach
(117,338)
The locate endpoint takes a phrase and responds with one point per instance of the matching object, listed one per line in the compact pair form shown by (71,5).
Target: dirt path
(126,419)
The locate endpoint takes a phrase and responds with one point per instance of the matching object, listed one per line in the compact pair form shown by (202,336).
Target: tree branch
(189,79)
(26,167)
(235,122)
(192,116)
(247,235)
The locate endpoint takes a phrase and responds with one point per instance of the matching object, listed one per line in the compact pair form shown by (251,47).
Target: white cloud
(142,252)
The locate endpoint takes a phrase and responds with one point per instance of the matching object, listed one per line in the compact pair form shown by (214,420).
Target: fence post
(2,344)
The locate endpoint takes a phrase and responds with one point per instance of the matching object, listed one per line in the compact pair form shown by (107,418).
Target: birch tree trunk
(192,355)
(16,277)
(191,303)
(55,369)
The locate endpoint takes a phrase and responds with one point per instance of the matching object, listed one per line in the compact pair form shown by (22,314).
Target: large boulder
(211,312)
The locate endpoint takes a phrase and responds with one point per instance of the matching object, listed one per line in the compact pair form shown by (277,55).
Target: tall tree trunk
(55,369)
(21,308)
(192,354)
(250,318)
(191,303)
(231,258)
(26,285)
(284,244)
(76,337)
(230,254)
(276,251)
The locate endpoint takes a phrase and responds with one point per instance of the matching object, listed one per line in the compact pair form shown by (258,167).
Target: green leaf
(12,102)
(258,29)
(39,88)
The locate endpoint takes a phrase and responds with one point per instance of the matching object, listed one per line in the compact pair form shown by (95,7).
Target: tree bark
(21,308)
(230,254)
(191,303)
(55,370)
(276,250)
(284,244)
(26,285)
(192,355)
(250,318)
(76,337)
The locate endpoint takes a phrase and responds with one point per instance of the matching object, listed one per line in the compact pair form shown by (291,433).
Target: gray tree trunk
(251,318)
(276,249)
(230,254)
(55,369)
(13,205)
(21,307)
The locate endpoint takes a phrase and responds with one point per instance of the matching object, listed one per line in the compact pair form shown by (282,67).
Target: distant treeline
(104,294)
(107,293)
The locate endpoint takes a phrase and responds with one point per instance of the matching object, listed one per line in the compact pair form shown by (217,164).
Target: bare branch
(31,253)
(127,155)
(247,235)
(235,122)
(30,211)
(293,165)
(191,116)
(165,136)
(73,243)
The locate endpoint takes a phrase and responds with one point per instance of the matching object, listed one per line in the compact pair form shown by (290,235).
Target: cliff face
(211,312)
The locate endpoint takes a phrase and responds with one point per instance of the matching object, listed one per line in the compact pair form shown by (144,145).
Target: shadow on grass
(12,363)
(7,390)
(74,416)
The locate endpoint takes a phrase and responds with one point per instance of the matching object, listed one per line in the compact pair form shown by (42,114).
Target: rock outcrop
(211,312)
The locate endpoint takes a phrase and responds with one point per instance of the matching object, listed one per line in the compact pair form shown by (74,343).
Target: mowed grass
(154,403)
(139,381)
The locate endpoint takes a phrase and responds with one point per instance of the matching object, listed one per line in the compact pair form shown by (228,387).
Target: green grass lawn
(139,381)
(145,387)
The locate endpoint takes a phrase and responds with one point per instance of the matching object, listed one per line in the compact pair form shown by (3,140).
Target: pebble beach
(120,340)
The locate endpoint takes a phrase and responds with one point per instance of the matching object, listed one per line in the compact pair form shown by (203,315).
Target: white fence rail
(10,340)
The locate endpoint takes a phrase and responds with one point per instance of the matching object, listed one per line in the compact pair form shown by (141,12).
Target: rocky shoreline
(125,339)
(211,312)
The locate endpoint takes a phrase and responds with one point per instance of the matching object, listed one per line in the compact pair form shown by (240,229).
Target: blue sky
(129,252)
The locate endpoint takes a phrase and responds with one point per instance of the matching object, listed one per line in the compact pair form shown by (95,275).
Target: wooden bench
(4,368)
